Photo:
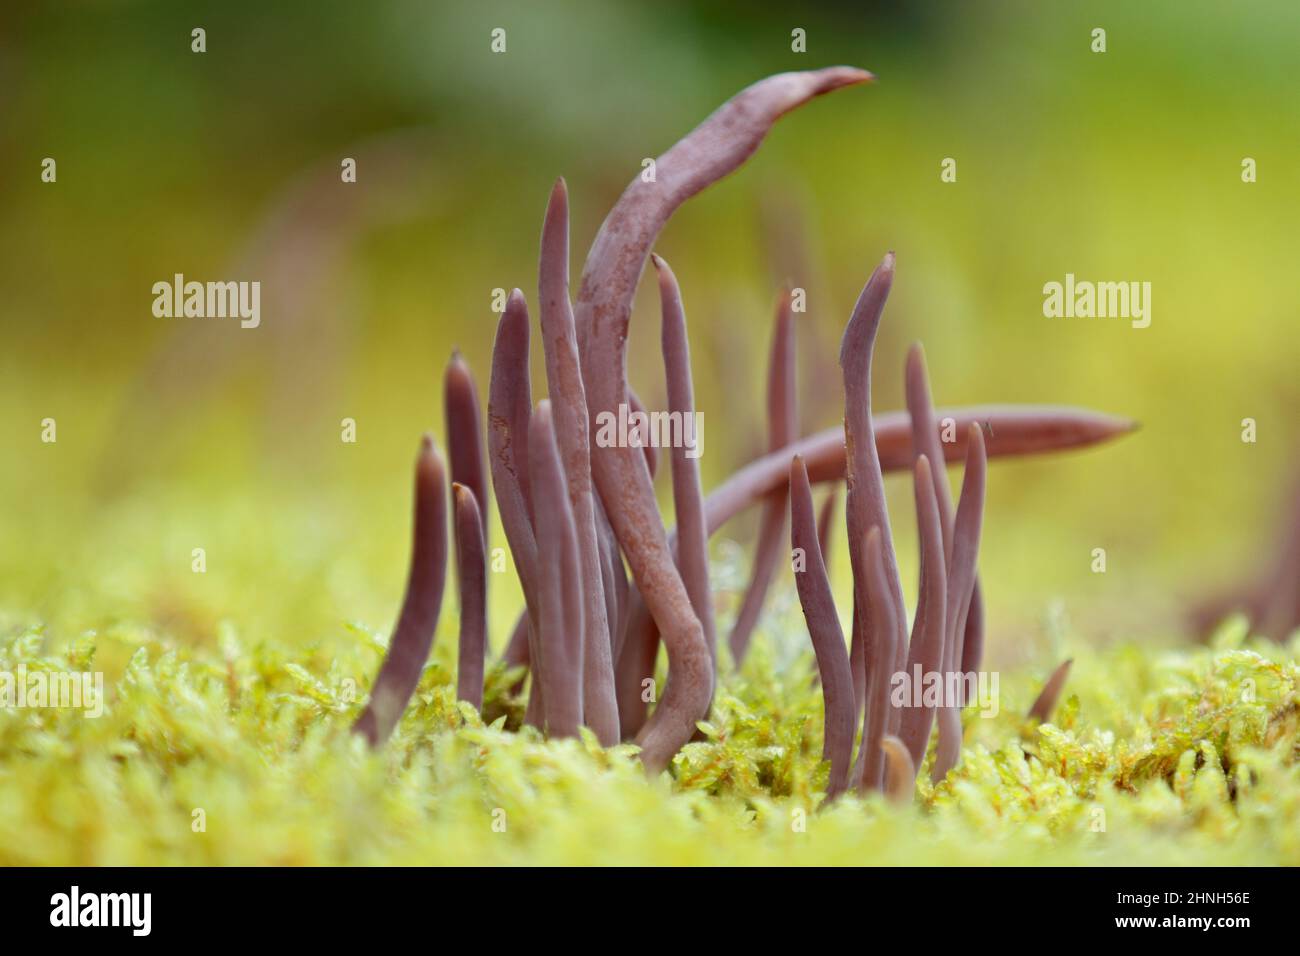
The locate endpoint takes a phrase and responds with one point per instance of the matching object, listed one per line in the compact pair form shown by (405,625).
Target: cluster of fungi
(604,581)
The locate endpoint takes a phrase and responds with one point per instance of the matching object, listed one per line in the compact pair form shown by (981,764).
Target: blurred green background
(182,433)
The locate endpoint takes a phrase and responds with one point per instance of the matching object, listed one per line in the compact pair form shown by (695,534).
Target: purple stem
(879,637)
(604,307)
(926,651)
(572,433)
(465,433)
(692,549)
(471,576)
(824,629)
(465,442)
(961,583)
(509,411)
(782,429)
(614,579)
(925,441)
(560,605)
(413,635)
(885,648)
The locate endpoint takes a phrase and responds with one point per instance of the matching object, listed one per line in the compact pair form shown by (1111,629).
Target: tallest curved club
(708,153)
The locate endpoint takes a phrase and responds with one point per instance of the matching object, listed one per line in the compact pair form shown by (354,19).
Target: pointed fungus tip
(515,303)
(559,200)
(664,272)
(836,77)
(426,444)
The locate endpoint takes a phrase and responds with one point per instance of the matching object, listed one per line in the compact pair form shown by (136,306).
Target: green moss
(1185,757)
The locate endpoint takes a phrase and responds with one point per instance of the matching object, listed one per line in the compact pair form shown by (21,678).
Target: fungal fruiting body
(412,638)
(590,632)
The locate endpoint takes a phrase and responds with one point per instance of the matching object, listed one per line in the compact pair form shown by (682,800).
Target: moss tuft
(1186,757)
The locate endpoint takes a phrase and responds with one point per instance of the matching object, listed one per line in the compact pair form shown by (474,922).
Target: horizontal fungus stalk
(782,428)
(572,434)
(560,604)
(1012,431)
(824,628)
(471,578)
(408,650)
(715,148)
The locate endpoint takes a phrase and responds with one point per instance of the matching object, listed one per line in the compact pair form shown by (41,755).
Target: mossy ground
(1170,757)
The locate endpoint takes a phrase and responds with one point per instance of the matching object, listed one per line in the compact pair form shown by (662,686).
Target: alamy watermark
(632,428)
(24,689)
(209,300)
(945,689)
(75,908)
(1075,299)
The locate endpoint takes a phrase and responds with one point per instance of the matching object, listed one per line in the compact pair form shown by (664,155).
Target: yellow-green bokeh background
(176,434)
